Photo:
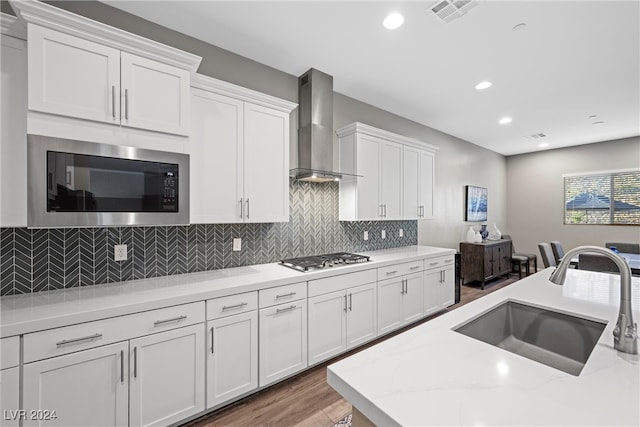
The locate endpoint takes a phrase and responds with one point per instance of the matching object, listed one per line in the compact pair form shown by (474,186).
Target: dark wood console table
(485,261)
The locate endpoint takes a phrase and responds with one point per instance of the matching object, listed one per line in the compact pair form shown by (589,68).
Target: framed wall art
(476,203)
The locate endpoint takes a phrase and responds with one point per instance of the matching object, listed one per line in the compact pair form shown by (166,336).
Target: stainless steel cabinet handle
(135,362)
(402,287)
(78,340)
(113,101)
(388,273)
(211,340)
(381,211)
(247,208)
(174,319)
(290,294)
(415,267)
(431,264)
(121,366)
(241,208)
(385,210)
(126,104)
(345,303)
(350,302)
(229,307)
(282,310)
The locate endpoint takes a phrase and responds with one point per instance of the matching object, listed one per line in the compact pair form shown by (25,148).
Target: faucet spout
(625,334)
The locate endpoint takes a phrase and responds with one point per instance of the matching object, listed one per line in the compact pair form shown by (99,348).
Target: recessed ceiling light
(543,144)
(598,123)
(519,27)
(393,20)
(483,85)
(505,120)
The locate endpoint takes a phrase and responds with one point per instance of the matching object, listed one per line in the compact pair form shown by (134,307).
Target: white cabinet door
(73,77)
(426,185)
(9,393)
(216,158)
(167,376)
(432,291)
(390,304)
(410,180)
(391,180)
(266,164)
(368,190)
(327,326)
(86,388)
(153,95)
(13,133)
(232,361)
(412,299)
(283,341)
(447,288)
(362,315)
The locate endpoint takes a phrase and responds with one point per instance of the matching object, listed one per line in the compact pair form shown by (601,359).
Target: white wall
(535,194)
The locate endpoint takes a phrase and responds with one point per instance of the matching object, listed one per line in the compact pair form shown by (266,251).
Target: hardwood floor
(306,400)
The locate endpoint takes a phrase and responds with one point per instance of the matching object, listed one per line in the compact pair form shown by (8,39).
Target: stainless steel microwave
(85,184)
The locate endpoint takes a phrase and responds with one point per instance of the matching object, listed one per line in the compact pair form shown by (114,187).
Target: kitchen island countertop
(432,375)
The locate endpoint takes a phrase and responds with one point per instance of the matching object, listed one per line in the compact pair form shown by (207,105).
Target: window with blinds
(602,198)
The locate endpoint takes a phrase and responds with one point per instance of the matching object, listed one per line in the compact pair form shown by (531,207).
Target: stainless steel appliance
(83,184)
(315,262)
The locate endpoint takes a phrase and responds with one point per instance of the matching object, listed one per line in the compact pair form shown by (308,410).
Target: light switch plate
(401,233)
(237,244)
(383,234)
(119,252)
(365,235)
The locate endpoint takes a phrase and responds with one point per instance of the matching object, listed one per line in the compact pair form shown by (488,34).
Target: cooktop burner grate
(314,262)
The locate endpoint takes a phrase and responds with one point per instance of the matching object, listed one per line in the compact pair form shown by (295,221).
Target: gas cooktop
(315,262)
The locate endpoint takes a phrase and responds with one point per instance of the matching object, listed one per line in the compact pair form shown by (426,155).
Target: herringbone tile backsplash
(46,259)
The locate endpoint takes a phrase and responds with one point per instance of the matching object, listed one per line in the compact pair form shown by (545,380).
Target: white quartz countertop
(26,313)
(432,375)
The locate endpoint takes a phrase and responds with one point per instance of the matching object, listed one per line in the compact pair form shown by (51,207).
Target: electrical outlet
(366,235)
(237,244)
(401,233)
(120,252)
(383,234)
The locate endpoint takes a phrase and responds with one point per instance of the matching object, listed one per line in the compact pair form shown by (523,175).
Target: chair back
(596,262)
(558,251)
(628,248)
(547,255)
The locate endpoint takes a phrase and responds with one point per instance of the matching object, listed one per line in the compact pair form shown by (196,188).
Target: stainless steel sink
(555,339)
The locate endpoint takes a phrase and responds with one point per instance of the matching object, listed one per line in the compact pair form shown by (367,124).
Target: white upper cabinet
(71,76)
(239,154)
(394,175)
(418,183)
(90,81)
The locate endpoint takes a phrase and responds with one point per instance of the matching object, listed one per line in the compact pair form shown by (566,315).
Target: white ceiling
(573,59)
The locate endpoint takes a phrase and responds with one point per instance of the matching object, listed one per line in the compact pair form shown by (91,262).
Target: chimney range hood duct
(315,128)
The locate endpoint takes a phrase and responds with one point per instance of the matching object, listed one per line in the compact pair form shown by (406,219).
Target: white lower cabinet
(167,376)
(232,352)
(439,287)
(399,302)
(283,340)
(10,401)
(89,387)
(143,369)
(341,320)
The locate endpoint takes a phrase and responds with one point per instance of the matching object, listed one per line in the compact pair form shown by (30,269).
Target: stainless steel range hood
(315,130)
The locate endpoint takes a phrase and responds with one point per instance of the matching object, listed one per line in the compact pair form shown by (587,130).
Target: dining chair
(558,250)
(596,262)
(628,248)
(521,259)
(547,255)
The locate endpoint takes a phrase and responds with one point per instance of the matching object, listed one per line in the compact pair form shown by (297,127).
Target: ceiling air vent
(536,135)
(448,10)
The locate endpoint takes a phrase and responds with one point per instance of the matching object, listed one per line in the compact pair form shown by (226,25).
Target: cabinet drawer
(340,282)
(439,262)
(281,294)
(9,352)
(55,342)
(400,269)
(232,304)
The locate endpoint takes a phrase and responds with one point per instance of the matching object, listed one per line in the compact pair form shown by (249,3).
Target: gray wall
(458,163)
(535,188)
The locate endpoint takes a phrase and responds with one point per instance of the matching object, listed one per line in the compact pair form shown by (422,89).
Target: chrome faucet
(625,335)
